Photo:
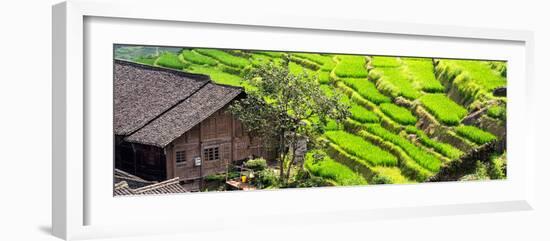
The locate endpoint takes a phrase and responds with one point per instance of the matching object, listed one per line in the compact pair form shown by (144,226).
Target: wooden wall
(221,131)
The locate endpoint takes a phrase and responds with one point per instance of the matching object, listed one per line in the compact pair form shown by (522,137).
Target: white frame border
(68,96)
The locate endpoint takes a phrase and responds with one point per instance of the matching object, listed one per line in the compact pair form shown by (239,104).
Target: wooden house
(169,124)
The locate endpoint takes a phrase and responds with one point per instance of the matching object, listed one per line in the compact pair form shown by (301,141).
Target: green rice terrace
(410,119)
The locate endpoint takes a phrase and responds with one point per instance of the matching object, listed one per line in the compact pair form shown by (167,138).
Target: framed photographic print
(189,115)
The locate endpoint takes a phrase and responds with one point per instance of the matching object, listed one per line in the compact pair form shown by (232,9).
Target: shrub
(497,112)
(497,167)
(357,146)
(366,89)
(257,164)
(215,178)
(444,109)
(423,158)
(225,58)
(196,58)
(378,179)
(268,177)
(399,114)
(169,60)
(351,66)
(475,134)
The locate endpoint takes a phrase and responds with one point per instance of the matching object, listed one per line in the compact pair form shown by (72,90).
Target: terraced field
(410,117)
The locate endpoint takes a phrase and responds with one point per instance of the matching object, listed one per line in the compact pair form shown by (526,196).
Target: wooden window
(211,153)
(180,158)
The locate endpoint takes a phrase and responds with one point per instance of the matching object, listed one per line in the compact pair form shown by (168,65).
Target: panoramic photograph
(192,119)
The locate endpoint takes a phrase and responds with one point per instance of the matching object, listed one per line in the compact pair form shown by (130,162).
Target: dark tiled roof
(131,180)
(143,92)
(178,102)
(185,115)
(143,187)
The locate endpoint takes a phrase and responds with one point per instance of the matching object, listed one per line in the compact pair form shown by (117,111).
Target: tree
(280,107)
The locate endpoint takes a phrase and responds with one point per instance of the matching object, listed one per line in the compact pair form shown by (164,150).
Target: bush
(378,179)
(399,114)
(215,177)
(268,177)
(497,112)
(475,134)
(444,109)
(497,167)
(357,146)
(257,164)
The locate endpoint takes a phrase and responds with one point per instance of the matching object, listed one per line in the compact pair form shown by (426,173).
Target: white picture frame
(74,199)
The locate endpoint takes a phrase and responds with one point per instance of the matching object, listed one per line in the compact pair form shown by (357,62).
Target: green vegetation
(257,164)
(474,80)
(389,175)
(225,58)
(196,58)
(394,82)
(366,89)
(444,109)
(475,134)
(384,61)
(399,114)
(351,66)
(443,148)
(497,166)
(146,60)
(497,112)
(319,164)
(365,150)
(359,113)
(423,158)
(351,110)
(422,72)
(218,76)
(169,60)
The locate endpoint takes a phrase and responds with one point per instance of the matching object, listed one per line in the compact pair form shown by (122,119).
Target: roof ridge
(168,182)
(154,67)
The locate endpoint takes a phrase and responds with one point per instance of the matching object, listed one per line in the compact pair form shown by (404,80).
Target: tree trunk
(282,158)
